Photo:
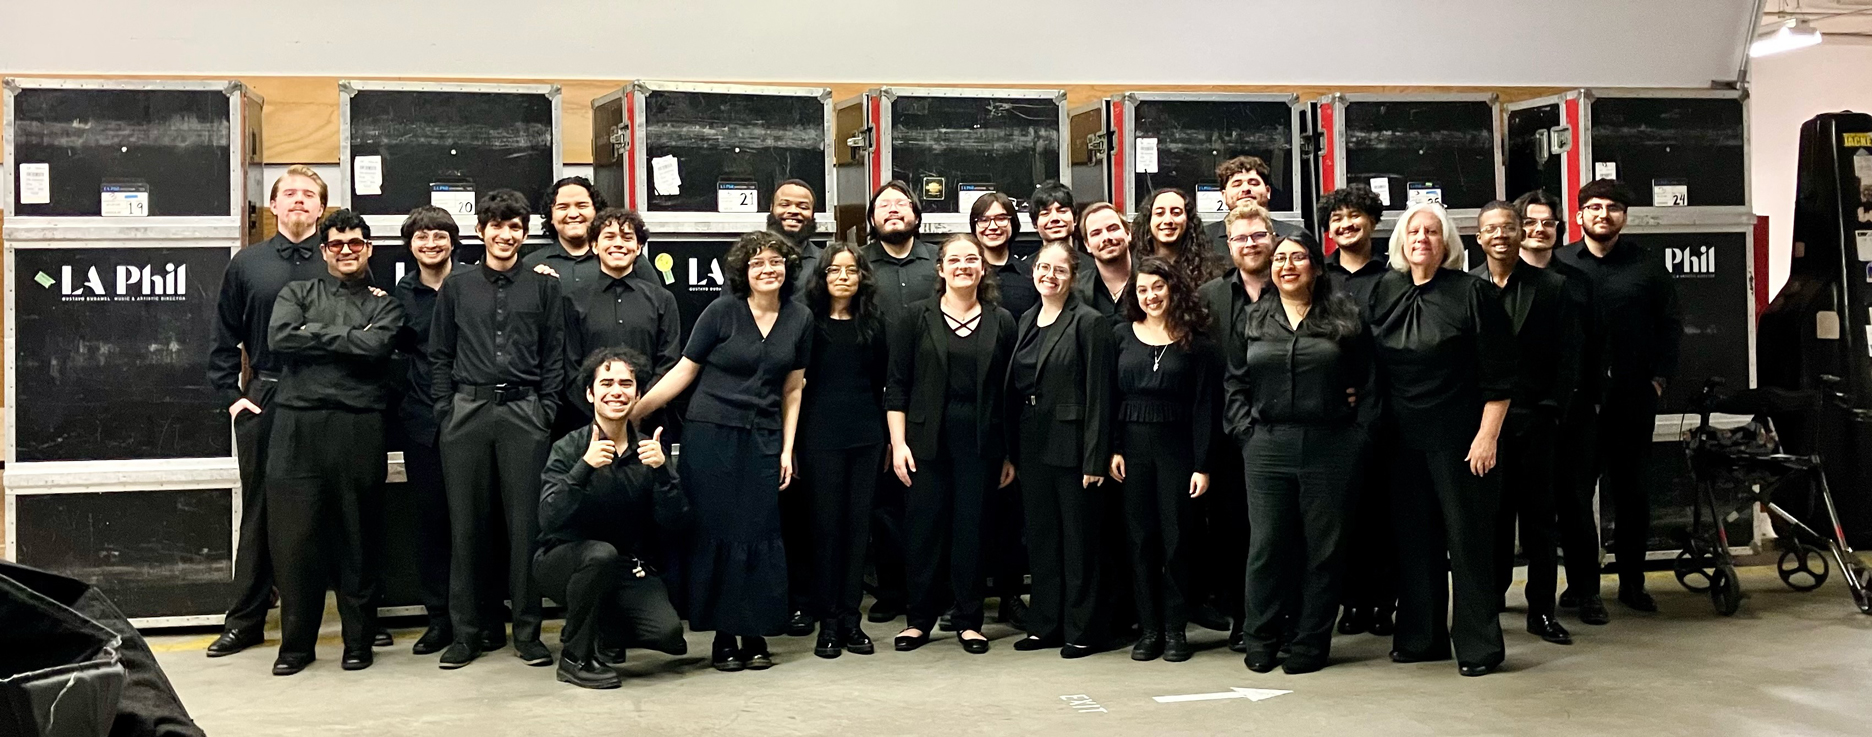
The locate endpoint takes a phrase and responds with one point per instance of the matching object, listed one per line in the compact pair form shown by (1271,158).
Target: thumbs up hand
(650,450)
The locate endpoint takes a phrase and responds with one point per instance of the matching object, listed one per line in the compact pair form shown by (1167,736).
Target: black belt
(500,393)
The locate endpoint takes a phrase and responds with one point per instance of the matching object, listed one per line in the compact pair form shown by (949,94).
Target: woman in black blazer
(1058,400)
(944,401)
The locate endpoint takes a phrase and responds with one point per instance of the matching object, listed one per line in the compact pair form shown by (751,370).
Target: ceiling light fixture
(1794,34)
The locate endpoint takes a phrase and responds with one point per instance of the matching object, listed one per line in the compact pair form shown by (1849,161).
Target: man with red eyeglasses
(325,461)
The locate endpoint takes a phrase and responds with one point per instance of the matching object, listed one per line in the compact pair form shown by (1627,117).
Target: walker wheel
(1803,568)
(1694,568)
(1725,590)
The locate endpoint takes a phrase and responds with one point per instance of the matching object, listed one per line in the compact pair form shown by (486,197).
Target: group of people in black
(1157,422)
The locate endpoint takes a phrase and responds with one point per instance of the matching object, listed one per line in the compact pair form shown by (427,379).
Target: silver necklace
(1157,354)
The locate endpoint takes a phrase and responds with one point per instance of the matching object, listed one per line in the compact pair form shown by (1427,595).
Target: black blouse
(1026,371)
(1284,376)
(1167,384)
(843,405)
(744,374)
(1444,348)
(967,353)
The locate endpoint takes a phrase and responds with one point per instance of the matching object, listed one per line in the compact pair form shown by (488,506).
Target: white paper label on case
(35,184)
(1209,201)
(666,176)
(1147,155)
(1605,170)
(1423,192)
(367,175)
(458,199)
(1670,193)
(1862,242)
(737,197)
(1826,325)
(1862,166)
(1381,186)
(124,201)
(968,192)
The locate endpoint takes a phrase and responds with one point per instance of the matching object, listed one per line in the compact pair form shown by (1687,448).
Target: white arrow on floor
(1251,694)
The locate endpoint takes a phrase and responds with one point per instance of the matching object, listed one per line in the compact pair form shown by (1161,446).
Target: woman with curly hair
(1168,380)
(1167,227)
(747,357)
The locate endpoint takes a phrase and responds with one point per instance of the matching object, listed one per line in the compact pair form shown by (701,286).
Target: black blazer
(1547,337)
(918,381)
(1073,391)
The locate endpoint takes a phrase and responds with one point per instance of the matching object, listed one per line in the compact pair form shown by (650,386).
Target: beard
(897,237)
(807,229)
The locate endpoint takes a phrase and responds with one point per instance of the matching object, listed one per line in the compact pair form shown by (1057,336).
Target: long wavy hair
(988,288)
(1334,314)
(1194,253)
(1188,315)
(864,309)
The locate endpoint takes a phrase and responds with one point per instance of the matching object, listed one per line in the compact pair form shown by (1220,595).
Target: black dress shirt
(1547,338)
(415,408)
(1591,360)
(580,273)
(1015,278)
(1638,316)
(901,281)
(1359,283)
(252,282)
(1228,309)
(1167,384)
(626,503)
(334,339)
(744,373)
(1092,291)
(1444,348)
(622,312)
(1284,376)
(843,404)
(499,327)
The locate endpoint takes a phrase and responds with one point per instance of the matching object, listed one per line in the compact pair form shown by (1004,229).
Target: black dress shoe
(382,638)
(286,665)
(727,659)
(1476,670)
(1012,611)
(1031,643)
(973,647)
(1399,656)
(1207,617)
(1354,621)
(1568,599)
(1302,664)
(906,643)
(1260,662)
(1592,610)
(829,646)
(1383,621)
(800,625)
(756,654)
(1176,647)
(588,674)
(433,640)
(492,641)
(458,654)
(1074,652)
(234,641)
(611,656)
(1149,646)
(1549,629)
(859,643)
(533,653)
(882,612)
(356,659)
(1636,599)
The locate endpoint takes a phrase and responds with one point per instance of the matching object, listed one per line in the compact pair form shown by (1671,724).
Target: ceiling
(1846,18)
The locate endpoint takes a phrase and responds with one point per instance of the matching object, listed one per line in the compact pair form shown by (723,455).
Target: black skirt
(737,571)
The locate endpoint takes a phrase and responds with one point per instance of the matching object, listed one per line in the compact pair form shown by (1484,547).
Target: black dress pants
(888,542)
(1159,514)
(253,565)
(1625,425)
(1221,570)
(1576,481)
(1445,519)
(943,510)
(1004,548)
(422,465)
(1371,570)
(325,475)
(492,455)
(1527,470)
(1299,501)
(1064,521)
(605,602)
(839,487)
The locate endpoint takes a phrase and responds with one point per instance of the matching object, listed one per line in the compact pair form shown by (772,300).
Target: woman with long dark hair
(1292,401)
(1168,377)
(747,357)
(1167,227)
(841,441)
(1060,392)
(1446,357)
(944,400)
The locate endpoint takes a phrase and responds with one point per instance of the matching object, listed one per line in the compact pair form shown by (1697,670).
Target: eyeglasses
(1500,229)
(1256,237)
(841,271)
(1604,207)
(1281,259)
(355,244)
(1536,223)
(774,263)
(1001,220)
(1045,268)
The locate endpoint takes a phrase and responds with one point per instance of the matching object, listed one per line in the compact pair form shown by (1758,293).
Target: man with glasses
(1577,438)
(325,464)
(1641,325)
(249,288)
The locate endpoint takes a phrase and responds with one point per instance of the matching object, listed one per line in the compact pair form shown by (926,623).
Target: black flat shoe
(973,647)
(1259,662)
(1149,646)
(906,643)
(286,665)
(234,641)
(457,655)
(1075,652)
(727,659)
(1548,629)
(1383,622)
(1176,647)
(1592,610)
(1031,643)
(859,643)
(1301,665)
(433,640)
(356,660)
(588,674)
(800,626)
(1636,599)
(1354,621)
(382,638)
(1399,656)
(828,646)
(1476,670)
(882,612)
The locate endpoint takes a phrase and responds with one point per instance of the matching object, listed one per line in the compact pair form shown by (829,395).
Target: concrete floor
(1787,664)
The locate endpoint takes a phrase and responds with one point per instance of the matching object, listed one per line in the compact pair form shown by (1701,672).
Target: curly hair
(864,307)
(1188,314)
(735,264)
(988,289)
(1193,251)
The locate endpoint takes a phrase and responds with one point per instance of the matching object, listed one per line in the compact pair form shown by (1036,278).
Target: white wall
(1786,90)
(1682,43)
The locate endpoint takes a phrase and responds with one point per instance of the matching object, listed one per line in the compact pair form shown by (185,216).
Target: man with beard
(432,237)
(906,272)
(1248,179)
(621,311)
(325,462)
(1641,324)
(248,290)
(1547,340)
(1219,577)
(1579,419)
(791,216)
(570,206)
(497,349)
(1108,237)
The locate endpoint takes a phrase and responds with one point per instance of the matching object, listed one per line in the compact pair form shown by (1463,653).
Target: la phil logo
(131,284)
(1690,261)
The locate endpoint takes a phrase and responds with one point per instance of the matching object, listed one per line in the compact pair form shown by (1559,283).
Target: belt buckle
(1033,400)
(504,393)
